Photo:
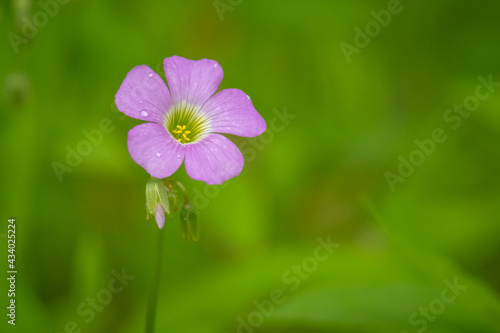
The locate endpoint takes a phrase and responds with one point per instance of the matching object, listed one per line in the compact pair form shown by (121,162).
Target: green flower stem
(153,296)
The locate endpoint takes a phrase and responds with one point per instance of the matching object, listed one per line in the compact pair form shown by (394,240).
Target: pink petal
(192,81)
(153,148)
(231,111)
(143,95)
(213,160)
(160,216)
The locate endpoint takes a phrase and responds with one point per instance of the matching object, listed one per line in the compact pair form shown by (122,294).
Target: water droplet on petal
(248,97)
(158,154)
(178,156)
(144,113)
(150,74)
(215,65)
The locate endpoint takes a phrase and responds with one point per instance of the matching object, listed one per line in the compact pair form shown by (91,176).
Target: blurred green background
(319,173)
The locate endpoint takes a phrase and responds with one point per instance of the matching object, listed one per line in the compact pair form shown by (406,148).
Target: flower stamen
(182,133)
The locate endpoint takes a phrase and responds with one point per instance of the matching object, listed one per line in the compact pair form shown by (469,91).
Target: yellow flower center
(186,123)
(182,133)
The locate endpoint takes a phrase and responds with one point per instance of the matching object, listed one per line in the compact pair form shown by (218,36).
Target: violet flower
(185,119)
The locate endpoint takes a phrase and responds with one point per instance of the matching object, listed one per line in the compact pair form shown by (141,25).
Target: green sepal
(189,222)
(156,193)
(163,197)
(173,200)
(151,196)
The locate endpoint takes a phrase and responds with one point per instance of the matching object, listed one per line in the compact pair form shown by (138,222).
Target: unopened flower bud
(160,216)
(189,222)
(157,200)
